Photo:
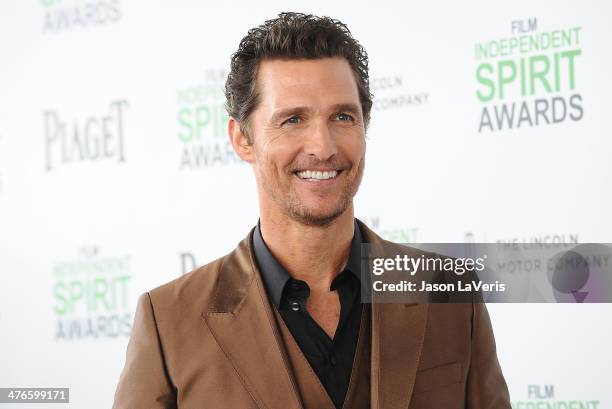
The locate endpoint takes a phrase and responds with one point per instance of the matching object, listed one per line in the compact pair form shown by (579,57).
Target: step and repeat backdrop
(491,123)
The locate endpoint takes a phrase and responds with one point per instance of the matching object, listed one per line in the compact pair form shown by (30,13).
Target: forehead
(319,82)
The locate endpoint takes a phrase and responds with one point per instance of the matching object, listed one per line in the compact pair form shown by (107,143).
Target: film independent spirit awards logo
(547,397)
(529,77)
(63,15)
(202,124)
(91,294)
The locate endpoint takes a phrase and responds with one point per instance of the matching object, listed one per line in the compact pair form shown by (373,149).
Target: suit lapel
(241,321)
(398,331)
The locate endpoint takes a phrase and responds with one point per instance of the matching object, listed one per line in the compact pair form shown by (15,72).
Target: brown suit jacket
(209,340)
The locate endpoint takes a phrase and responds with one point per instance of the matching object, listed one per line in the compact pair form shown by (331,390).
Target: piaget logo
(94,138)
(70,14)
(530,78)
(202,125)
(543,397)
(90,296)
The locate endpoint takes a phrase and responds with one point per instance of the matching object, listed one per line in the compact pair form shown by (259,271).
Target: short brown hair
(291,36)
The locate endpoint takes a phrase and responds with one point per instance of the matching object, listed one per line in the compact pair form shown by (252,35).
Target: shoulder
(190,284)
(187,295)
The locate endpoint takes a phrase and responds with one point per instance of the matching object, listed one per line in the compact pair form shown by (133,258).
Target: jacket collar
(240,318)
(275,276)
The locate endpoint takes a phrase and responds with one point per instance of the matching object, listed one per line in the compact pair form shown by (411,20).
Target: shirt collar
(275,276)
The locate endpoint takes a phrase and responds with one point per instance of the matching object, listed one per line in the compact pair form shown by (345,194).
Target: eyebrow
(344,107)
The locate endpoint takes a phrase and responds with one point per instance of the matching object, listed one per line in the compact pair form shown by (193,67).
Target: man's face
(308,138)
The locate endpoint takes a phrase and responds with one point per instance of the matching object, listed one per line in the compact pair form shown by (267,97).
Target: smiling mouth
(317,175)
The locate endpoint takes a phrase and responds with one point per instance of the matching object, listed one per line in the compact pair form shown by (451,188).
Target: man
(279,322)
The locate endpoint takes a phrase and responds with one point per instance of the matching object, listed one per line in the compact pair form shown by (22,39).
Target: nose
(321,143)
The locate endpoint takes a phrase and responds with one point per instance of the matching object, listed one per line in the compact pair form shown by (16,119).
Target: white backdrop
(115,174)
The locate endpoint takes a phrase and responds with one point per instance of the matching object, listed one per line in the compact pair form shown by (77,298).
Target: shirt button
(332,360)
(295,306)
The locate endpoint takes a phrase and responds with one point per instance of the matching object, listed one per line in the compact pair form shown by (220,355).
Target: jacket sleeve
(144,381)
(486,386)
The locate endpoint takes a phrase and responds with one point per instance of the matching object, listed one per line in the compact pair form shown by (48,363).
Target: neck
(314,254)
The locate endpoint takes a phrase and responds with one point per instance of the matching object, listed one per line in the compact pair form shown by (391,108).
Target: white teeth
(317,175)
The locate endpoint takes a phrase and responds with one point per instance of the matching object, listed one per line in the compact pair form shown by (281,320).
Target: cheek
(355,149)
(276,155)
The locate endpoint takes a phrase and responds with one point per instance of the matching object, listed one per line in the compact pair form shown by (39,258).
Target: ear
(239,141)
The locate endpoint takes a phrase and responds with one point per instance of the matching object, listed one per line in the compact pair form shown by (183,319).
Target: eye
(344,117)
(293,120)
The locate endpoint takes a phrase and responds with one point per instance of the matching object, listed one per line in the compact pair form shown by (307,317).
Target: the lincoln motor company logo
(391,92)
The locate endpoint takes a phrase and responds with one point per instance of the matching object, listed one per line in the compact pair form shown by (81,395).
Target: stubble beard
(292,206)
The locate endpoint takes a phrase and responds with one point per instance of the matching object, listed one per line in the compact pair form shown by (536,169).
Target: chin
(317,216)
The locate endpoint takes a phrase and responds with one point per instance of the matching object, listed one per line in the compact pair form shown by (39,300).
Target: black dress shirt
(331,359)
